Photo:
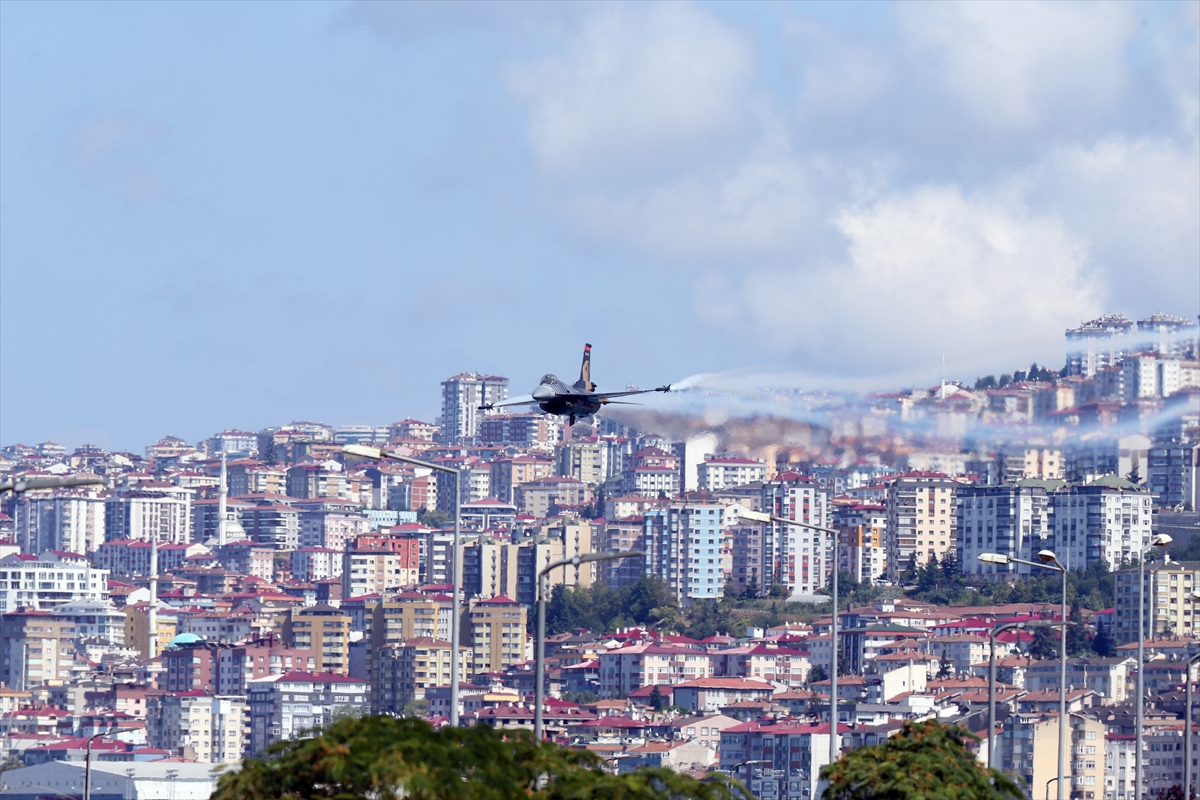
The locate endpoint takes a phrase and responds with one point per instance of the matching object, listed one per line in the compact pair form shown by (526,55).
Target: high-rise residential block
(922,520)
(682,542)
(497,628)
(69,521)
(1014,520)
(322,629)
(798,559)
(462,396)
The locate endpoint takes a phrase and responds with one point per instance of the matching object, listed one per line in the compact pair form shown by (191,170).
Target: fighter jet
(577,401)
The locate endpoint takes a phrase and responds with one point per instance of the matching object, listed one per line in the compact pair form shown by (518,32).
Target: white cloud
(640,86)
(1138,204)
(1016,66)
(928,271)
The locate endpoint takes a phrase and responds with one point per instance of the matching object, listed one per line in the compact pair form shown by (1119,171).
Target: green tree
(656,698)
(1045,643)
(986,382)
(924,760)
(943,666)
(385,758)
(433,519)
(817,674)
(417,707)
(1103,644)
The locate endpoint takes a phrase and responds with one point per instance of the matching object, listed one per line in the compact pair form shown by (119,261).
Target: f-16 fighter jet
(577,401)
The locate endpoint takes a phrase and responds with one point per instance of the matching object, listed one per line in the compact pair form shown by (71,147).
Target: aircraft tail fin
(585,371)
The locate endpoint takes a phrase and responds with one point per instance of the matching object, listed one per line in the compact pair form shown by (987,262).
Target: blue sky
(239,214)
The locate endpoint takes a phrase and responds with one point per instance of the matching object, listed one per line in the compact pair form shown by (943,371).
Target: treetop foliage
(924,760)
(385,758)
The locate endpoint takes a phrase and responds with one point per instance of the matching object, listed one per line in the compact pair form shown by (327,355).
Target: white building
(462,395)
(799,559)
(284,706)
(725,472)
(150,509)
(213,729)
(50,579)
(1013,520)
(1108,519)
(72,522)
(316,564)
(131,780)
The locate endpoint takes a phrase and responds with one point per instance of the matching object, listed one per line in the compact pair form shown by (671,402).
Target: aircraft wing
(604,397)
(525,400)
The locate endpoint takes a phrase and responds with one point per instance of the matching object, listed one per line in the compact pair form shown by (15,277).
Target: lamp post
(758,516)
(49,482)
(87,760)
(376,454)
(539,692)
(992,683)
(1187,728)
(1160,540)
(1047,560)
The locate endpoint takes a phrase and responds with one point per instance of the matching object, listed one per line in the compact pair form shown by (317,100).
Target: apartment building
(131,557)
(462,397)
(922,520)
(1012,519)
(627,669)
(1028,750)
(406,669)
(1107,519)
(68,521)
(799,559)
(861,528)
(718,473)
(509,473)
(1168,602)
(620,536)
(584,460)
(275,525)
(50,579)
(367,572)
(498,635)
(322,629)
(37,648)
(785,757)
(316,564)
(750,576)
(527,431)
(541,497)
(683,547)
(197,725)
(150,510)
(330,523)
(284,706)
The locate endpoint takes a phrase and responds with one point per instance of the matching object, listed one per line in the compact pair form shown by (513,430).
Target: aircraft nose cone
(543,392)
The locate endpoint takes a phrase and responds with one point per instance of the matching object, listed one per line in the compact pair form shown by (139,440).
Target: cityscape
(195,603)
(629,400)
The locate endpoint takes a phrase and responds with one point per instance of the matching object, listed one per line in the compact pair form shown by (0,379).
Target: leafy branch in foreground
(923,760)
(385,758)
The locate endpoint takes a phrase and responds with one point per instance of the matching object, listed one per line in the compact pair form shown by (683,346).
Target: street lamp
(376,454)
(991,759)
(759,516)
(1187,727)
(49,482)
(540,647)
(1160,540)
(1047,560)
(87,761)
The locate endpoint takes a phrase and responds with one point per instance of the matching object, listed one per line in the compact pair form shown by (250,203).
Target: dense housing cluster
(205,600)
